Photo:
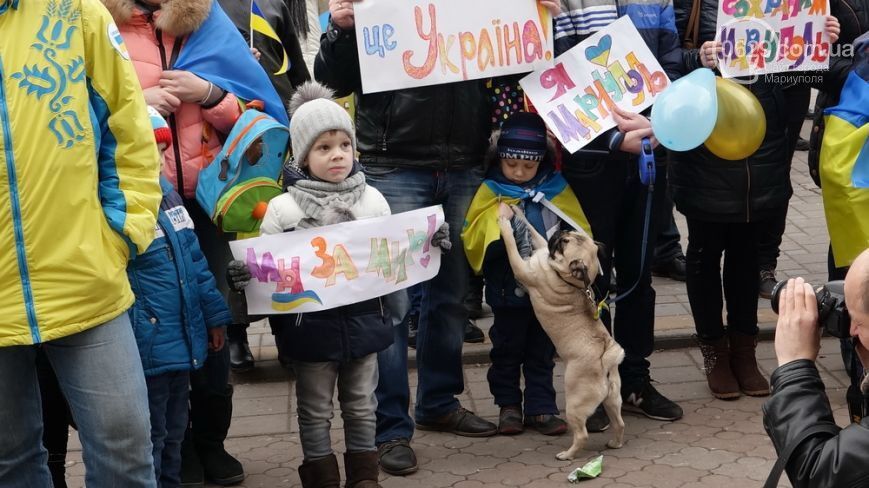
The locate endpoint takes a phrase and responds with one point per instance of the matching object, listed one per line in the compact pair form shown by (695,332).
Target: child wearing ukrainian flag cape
(521,172)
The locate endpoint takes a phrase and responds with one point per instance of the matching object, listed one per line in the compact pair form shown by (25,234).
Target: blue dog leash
(647,173)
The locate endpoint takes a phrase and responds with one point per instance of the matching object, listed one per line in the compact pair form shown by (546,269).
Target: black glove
(237,275)
(441,238)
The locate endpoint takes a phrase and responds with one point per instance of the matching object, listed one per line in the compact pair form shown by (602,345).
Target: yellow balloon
(741,123)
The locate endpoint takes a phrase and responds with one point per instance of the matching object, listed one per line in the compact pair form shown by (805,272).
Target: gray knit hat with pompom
(313,112)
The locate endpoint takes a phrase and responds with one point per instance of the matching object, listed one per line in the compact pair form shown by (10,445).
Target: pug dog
(558,277)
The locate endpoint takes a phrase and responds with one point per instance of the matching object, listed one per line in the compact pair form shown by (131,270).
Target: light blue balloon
(684,114)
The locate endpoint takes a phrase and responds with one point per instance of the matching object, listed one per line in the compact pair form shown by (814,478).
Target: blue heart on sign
(600,54)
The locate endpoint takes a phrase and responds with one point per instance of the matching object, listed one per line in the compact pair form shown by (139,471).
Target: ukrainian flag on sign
(845,163)
(258,23)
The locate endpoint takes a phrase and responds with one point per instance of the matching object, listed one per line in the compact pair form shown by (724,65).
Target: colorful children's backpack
(236,187)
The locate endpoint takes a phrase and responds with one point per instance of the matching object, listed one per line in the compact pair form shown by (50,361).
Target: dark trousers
(168,394)
(520,347)
(796,105)
(56,419)
(614,201)
(667,246)
(707,241)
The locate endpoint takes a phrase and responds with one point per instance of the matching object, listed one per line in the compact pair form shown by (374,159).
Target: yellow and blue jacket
(79,169)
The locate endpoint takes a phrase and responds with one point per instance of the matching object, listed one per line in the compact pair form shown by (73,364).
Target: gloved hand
(441,238)
(237,275)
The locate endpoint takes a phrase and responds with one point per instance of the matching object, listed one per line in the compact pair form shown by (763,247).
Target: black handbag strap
(784,457)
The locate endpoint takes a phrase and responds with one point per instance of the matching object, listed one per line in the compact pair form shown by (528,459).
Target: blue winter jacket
(176,294)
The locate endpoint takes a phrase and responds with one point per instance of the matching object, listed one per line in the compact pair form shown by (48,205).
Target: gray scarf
(327,203)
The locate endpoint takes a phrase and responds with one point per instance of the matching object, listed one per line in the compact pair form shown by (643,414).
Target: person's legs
(508,353)
(23,459)
(404,190)
(56,419)
(158,398)
(634,321)
(101,376)
(740,291)
(706,243)
(357,380)
(315,386)
(669,260)
(210,418)
(443,314)
(176,425)
(539,363)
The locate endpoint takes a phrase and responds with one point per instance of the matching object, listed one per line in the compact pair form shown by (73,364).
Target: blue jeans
(167,397)
(100,373)
(442,312)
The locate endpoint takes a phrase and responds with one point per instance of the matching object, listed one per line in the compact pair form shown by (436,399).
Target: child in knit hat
(521,172)
(178,315)
(325,185)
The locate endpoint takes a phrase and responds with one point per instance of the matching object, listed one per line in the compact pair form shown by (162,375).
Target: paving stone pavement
(716,444)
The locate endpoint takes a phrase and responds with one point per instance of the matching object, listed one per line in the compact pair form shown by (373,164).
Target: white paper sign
(409,43)
(612,67)
(772,36)
(326,267)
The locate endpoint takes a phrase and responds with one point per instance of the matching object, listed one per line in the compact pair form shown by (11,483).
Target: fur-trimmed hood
(176,17)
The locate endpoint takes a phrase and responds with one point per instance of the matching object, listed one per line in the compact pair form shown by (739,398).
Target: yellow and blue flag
(845,163)
(216,52)
(481,222)
(258,23)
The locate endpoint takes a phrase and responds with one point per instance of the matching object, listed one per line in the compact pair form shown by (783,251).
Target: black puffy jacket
(706,187)
(442,126)
(853,17)
(339,334)
(825,460)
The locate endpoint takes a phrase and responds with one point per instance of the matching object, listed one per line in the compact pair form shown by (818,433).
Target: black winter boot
(192,475)
(209,431)
(321,473)
(361,468)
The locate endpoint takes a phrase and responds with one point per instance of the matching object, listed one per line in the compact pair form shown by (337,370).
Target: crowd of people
(126,313)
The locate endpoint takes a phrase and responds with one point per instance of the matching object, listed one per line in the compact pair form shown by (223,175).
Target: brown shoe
(460,422)
(510,420)
(546,424)
(716,364)
(743,362)
(320,473)
(361,469)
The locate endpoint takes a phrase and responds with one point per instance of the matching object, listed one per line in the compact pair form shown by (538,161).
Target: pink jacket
(198,131)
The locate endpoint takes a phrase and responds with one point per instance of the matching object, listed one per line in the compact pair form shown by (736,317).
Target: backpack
(235,188)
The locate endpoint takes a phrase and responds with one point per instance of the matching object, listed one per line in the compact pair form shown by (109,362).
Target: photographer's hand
(797,335)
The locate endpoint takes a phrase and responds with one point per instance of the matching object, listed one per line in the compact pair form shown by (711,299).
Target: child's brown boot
(320,473)
(362,470)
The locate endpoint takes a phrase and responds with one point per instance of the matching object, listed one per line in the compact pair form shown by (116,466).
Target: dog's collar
(598,306)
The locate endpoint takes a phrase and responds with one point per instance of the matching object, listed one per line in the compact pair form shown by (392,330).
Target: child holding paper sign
(327,187)
(522,170)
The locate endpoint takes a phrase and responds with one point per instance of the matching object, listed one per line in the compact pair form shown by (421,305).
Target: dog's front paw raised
(564,456)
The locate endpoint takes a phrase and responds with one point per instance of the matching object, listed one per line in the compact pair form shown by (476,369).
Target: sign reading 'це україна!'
(409,43)
(326,267)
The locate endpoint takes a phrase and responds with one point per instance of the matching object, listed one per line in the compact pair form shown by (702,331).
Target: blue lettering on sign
(377,39)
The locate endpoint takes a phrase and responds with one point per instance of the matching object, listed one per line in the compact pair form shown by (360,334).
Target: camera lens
(776,294)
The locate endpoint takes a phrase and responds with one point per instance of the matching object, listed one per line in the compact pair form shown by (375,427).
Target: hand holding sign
(342,13)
